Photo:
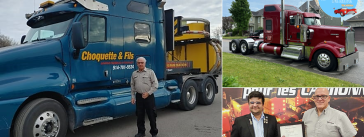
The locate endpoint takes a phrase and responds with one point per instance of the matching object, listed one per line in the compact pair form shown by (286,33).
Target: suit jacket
(244,128)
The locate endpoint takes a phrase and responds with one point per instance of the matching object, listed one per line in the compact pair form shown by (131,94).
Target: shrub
(235,32)
(230,81)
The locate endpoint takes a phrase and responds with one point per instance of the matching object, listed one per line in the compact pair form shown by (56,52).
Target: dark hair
(257,94)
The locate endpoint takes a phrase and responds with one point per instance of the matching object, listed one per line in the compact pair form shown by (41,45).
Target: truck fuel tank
(270,48)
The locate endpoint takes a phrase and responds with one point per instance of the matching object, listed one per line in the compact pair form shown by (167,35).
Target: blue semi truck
(73,67)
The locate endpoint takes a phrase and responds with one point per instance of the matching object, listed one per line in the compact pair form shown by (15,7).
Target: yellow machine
(193,43)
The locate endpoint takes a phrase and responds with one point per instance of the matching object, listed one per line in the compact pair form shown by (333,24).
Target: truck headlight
(342,50)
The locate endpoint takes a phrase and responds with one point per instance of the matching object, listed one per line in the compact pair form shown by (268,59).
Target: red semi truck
(297,35)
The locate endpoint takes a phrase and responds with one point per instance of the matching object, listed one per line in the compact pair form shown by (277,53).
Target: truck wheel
(325,60)
(244,48)
(207,95)
(235,47)
(41,117)
(189,95)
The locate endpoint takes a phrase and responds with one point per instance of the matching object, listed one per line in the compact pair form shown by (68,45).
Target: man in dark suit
(257,123)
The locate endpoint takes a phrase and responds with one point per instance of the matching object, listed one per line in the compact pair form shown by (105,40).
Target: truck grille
(349,41)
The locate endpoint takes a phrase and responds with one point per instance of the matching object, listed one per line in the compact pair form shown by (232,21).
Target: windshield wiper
(38,39)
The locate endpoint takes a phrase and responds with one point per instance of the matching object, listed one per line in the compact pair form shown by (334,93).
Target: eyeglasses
(140,62)
(322,97)
(252,103)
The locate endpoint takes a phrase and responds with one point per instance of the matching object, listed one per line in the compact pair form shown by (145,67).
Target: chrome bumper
(345,62)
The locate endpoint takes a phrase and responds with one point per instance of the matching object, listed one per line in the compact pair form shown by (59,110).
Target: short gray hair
(142,59)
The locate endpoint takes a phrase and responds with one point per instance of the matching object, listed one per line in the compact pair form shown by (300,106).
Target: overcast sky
(207,9)
(256,5)
(13,22)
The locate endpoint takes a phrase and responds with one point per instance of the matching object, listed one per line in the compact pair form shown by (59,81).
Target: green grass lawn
(235,37)
(250,72)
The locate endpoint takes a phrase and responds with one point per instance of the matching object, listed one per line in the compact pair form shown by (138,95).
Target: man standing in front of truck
(143,84)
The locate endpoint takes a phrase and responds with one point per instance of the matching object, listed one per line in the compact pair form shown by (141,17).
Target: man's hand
(145,95)
(132,101)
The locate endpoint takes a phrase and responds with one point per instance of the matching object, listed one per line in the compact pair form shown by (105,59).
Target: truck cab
(110,44)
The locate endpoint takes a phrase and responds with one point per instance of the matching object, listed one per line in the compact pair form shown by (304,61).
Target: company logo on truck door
(86,55)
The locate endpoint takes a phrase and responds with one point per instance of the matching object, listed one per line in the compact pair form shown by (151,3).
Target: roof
(345,23)
(313,4)
(258,13)
(358,17)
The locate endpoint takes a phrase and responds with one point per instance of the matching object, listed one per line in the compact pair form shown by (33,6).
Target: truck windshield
(48,27)
(312,21)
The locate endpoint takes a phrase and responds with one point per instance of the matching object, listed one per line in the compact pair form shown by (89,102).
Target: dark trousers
(142,106)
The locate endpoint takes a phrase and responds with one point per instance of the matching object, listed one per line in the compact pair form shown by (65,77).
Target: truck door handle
(106,73)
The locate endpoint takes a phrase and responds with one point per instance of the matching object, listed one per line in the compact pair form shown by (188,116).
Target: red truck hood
(323,33)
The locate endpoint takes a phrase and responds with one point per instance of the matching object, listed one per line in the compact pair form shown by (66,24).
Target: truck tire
(244,48)
(189,96)
(235,47)
(41,117)
(325,60)
(206,97)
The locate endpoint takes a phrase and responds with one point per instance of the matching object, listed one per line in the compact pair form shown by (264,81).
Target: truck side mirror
(303,33)
(297,19)
(22,39)
(77,36)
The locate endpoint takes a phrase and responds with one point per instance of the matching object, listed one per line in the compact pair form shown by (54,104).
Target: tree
(227,23)
(6,41)
(241,14)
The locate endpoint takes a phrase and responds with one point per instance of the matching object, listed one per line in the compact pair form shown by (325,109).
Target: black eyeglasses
(322,97)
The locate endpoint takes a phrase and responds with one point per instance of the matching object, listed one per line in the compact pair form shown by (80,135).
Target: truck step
(96,120)
(293,52)
(91,100)
(175,101)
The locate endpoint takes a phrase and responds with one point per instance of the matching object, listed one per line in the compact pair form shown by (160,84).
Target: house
(325,18)
(357,22)
(256,20)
